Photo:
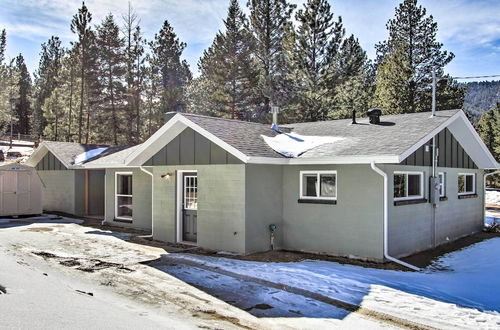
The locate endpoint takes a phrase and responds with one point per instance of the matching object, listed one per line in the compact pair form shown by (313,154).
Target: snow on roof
(293,145)
(85,156)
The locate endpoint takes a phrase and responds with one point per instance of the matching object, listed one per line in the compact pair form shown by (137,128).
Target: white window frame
(186,177)
(442,185)
(465,184)
(120,195)
(318,173)
(422,188)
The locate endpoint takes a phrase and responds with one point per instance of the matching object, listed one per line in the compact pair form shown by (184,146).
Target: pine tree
(134,52)
(317,42)
(5,84)
(407,58)
(227,66)
(81,26)
(111,74)
(22,110)
(174,74)
(46,79)
(269,23)
(3,46)
(488,128)
(355,91)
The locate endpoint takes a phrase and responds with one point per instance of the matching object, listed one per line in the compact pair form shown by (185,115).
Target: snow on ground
(293,145)
(85,156)
(125,292)
(460,289)
(492,197)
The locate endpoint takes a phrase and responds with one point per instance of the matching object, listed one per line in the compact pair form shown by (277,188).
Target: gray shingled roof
(242,135)
(395,134)
(114,155)
(67,151)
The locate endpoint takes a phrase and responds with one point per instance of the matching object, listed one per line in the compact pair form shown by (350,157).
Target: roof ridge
(225,119)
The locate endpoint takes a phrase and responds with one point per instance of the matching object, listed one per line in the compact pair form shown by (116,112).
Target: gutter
(386,220)
(152,200)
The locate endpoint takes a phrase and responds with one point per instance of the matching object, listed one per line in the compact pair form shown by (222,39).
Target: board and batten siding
(451,153)
(191,148)
(49,162)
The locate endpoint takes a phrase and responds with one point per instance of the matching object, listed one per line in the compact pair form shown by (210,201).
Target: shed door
(23,192)
(9,192)
(190,207)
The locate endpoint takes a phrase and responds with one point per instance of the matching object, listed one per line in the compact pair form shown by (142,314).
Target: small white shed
(20,190)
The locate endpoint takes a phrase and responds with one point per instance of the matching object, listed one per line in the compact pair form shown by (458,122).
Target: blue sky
(468,28)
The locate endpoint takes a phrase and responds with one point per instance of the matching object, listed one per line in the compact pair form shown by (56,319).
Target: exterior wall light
(166,176)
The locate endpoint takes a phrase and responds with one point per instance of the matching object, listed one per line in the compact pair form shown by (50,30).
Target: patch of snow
(293,145)
(85,156)
(456,290)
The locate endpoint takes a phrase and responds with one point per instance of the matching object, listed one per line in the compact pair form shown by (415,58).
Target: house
(365,193)
(68,186)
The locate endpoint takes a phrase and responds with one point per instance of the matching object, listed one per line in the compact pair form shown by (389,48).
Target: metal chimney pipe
(275,110)
(354,117)
(434,82)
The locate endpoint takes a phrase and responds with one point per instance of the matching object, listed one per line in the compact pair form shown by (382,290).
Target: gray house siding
(451,153)
(353,227)
(221,205)
(191,148)
(411,227)
(264,206)
(50,163)
(141,199)
(58,191)
(96,192)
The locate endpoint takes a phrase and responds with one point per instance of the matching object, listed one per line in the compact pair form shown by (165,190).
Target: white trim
(442,185)
(429,136)
(120,195)
(178,205)
(318,174)
(406,185)
(386,219)
(40,152)
(177,124)
(366,159)
(465,183)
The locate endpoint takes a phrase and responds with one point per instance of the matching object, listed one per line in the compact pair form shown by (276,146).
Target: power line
(476,77)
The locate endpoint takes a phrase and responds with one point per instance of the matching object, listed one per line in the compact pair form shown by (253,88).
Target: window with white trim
(442,184)
(466,183)
(123,196)
(321,185)
(408,185)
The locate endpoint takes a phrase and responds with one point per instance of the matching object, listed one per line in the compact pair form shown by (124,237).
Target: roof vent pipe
(275,110)
(374,115)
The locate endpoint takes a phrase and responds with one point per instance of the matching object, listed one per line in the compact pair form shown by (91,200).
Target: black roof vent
(374,115)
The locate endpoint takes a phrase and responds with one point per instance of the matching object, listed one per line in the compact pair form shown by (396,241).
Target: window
(408,185)
(123,198)
(442,184)
(466,183)
(190,192)
(318,185)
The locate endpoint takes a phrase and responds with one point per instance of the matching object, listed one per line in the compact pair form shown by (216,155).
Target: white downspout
(484,191)
(152,200)
(386,220)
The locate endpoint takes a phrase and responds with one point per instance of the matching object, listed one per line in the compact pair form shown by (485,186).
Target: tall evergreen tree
(356,80)
(134,51)
(166,64)
(111,74)
(406,60)
(22,110)
(317,42)
(3,45)
(269,22)
(46,79)
(81,26)
(228,66)
(488,128)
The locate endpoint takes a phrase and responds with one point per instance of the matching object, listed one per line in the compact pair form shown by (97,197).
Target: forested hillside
(480,97)
(111,85)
